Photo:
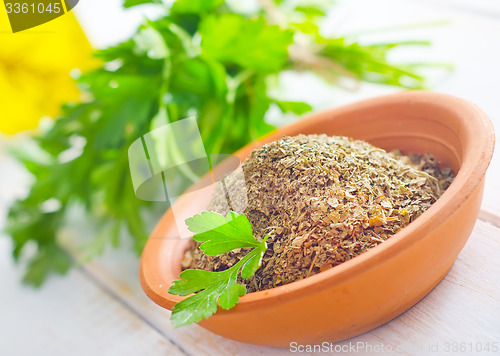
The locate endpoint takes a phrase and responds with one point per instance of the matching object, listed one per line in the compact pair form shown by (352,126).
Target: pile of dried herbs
(328,199)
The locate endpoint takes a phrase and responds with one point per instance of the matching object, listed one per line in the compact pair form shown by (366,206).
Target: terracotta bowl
(382,283)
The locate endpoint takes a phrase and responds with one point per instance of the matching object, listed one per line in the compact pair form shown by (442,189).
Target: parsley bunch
(203,58)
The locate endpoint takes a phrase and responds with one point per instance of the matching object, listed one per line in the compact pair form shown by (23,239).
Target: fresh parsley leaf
(220,234)
(370,63)
(194,280)
(254,262)
(150,42)
(51,258)
(131,3)
(310,11)
(249,43)
(199,306)
(297,107)
(202,305)
(231,294)
(195,6)
(216,288)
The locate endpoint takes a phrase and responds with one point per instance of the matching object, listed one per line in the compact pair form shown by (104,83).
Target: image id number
(40,8)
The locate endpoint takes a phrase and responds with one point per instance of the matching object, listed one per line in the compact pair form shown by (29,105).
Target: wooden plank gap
(106,289)
(489,217)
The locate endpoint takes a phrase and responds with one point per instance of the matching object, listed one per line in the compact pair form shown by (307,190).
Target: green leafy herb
(204,58)
(219,235)
(244,45)
(130,3)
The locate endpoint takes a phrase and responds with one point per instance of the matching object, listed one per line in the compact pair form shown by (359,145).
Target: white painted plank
(488,216)
(119,270)
(70,316)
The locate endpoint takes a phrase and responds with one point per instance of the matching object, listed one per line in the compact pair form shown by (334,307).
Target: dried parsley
(328,199)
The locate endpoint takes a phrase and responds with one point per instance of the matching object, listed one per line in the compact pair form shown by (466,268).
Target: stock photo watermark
(356,347)
(350,347)
(171,161)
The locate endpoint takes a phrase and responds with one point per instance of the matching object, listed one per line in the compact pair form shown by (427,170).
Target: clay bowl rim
(475,161)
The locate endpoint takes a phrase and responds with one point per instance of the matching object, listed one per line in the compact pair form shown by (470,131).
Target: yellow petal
(35,68)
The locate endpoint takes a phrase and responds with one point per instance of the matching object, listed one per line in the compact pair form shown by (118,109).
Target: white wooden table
(100,309)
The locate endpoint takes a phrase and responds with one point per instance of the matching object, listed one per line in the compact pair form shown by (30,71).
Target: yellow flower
(35,68)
